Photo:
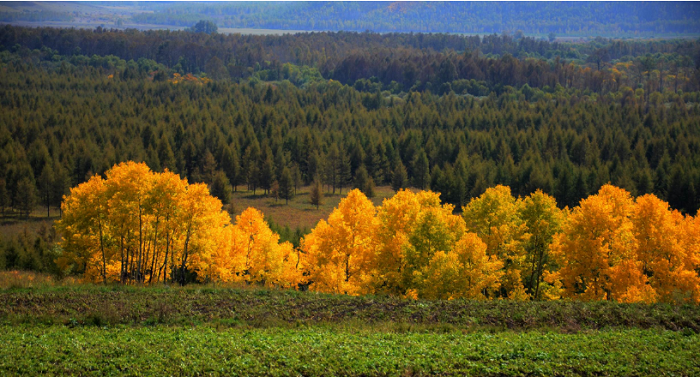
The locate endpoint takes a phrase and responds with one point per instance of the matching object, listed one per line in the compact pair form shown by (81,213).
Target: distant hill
(562,19)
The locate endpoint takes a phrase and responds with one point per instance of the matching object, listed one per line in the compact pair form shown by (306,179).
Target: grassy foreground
(260,308)
(199,330)
(204,350)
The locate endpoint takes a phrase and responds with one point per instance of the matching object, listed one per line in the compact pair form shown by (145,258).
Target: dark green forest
(453,114)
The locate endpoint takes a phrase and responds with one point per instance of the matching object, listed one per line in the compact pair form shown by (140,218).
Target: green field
(95,330)
(320,351)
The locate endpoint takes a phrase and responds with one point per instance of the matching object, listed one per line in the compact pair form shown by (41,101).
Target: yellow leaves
(177,78)
(597,237)
(259,256)
(667,249)
(142,226)
(616,248)
(494,217)
(341,251)
(139,226)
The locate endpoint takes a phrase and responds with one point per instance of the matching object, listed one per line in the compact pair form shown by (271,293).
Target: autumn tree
(340,250)
(667,249)
(542,220)
(139,226)
(494,217)
(84,228)
(466,271)
(596,250)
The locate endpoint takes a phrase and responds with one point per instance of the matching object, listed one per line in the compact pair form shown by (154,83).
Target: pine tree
(286,186)
(230,165)
(400,177)
(316,193)
(59,187)
(221,188)
(4,197)
(26,197)
(421,170)
(296,175)
(45,182)
(362,179)
(267,174)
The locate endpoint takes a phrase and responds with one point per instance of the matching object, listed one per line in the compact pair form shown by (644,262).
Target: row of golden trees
(144,227)
(140,226)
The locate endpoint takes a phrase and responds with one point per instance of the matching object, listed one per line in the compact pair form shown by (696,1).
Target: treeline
(580,18)
(136,226)
(408,58)
(60,127)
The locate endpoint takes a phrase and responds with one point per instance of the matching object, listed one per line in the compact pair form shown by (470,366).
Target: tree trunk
(104,257)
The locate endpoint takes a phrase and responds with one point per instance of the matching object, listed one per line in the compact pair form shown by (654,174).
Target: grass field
(299,212)
(205,330)
(157,351)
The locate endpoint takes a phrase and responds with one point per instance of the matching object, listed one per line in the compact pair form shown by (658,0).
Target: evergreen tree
(45,183)
(267,174)
(400,177)
(344,171)
(421,170)
(286,185)
(296,176)
(59,187)
(26,197)
(361,179)
(316,193)
(4,197)
(230,165)
(221,188)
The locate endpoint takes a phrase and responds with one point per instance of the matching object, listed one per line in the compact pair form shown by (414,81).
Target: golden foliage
(139,226)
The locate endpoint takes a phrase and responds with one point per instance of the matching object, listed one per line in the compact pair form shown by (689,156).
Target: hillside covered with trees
(269,114)
(588,19)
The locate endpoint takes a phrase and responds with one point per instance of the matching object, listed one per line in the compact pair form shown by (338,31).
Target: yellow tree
(127,185)
(466,271)
(542,221)
(397,220)
(666,244)
(253,253)
(494,217)
(435,230)
(341,250)
(596,250)
(163,202)
(85,230)
(202,229)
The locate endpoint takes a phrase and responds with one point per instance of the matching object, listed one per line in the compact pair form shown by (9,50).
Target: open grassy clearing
(162,350)
(298,213)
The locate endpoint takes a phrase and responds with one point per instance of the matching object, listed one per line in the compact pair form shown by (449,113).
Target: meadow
(246,330)
(298,213)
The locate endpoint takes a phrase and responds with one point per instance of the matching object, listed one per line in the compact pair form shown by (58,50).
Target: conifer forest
(499,202)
